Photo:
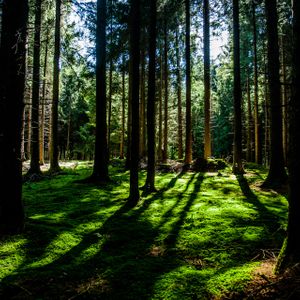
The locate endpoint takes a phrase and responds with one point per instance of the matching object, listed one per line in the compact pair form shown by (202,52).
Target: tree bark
(100,170)
(54,166)
(207,92)
(122,142)
(150,181)
(160,110)
(35,107)
(249,123)
(277,174)
(12,83)
(237,144)
(188,138)
(134,28)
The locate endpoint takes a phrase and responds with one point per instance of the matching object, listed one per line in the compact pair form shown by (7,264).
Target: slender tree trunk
(109,150)
(179,98)
(237,144)
(290,253)
(143,106)
(43,102)
(54,166)
(160,109)
(258,152)
(12,79)
(207,93)
(150,181)
(166,85)
(129,119)
(122,142)
(277,174)
(134,195)
(100,170)
(35,107)
(249,123)
(284,102)
(188,138)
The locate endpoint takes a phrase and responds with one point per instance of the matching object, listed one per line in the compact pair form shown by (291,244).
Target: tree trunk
(277,174)
(290,253)
(54,166)
(237,144)
(150,181)
(134,28)
(43,102)
(179,98)
(165,154)
(12,79)
(188,138)
(110,93)
(35,107)
(207,93)
(100,170)
(249,123)
(122,142)
(258,152)
(160,110)
(143,106)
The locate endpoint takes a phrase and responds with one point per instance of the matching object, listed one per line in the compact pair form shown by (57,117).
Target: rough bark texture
(150,181)
(165,154)
(179,99)
(277,175)
(258,150)
(54,166)
(249,123)
(237,144)
(135,130)
(122,142)
(207,93)
(35,143)
(188,139)
(100,170)
(12,78)
(290,254)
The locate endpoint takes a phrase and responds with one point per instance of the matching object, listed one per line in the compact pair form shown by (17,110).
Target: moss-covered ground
(199,237)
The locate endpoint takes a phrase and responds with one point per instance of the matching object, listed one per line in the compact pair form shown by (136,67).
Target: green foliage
(198,237)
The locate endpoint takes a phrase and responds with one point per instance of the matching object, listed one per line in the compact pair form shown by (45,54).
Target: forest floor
(201,236)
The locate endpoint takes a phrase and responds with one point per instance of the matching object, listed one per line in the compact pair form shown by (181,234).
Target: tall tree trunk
(207,93)
(258,152)
(284,102)
(188,138)
(277,174)
(129,118)
(237,144)
(290,253)
(12,79)
(122,142)
(179,98)
(160,110)
(100,170)
(54,166)
(249,123)
(43,102)
(110,93)
(143,106)
(166,85)
(35,107)
(150,181)
(134,195)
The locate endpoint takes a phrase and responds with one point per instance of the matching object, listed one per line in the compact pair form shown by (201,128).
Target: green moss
(193,239)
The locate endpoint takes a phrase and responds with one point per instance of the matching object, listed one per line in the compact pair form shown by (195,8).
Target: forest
(149,149)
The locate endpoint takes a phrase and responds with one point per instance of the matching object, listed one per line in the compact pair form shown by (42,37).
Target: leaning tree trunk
(290,253)
(12,79)
(134,195)
(54,166)
(277,174)
(188,137)
(35,106)
(150,181)
(237,147)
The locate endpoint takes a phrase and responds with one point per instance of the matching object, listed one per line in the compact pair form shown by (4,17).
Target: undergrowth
(199,237)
